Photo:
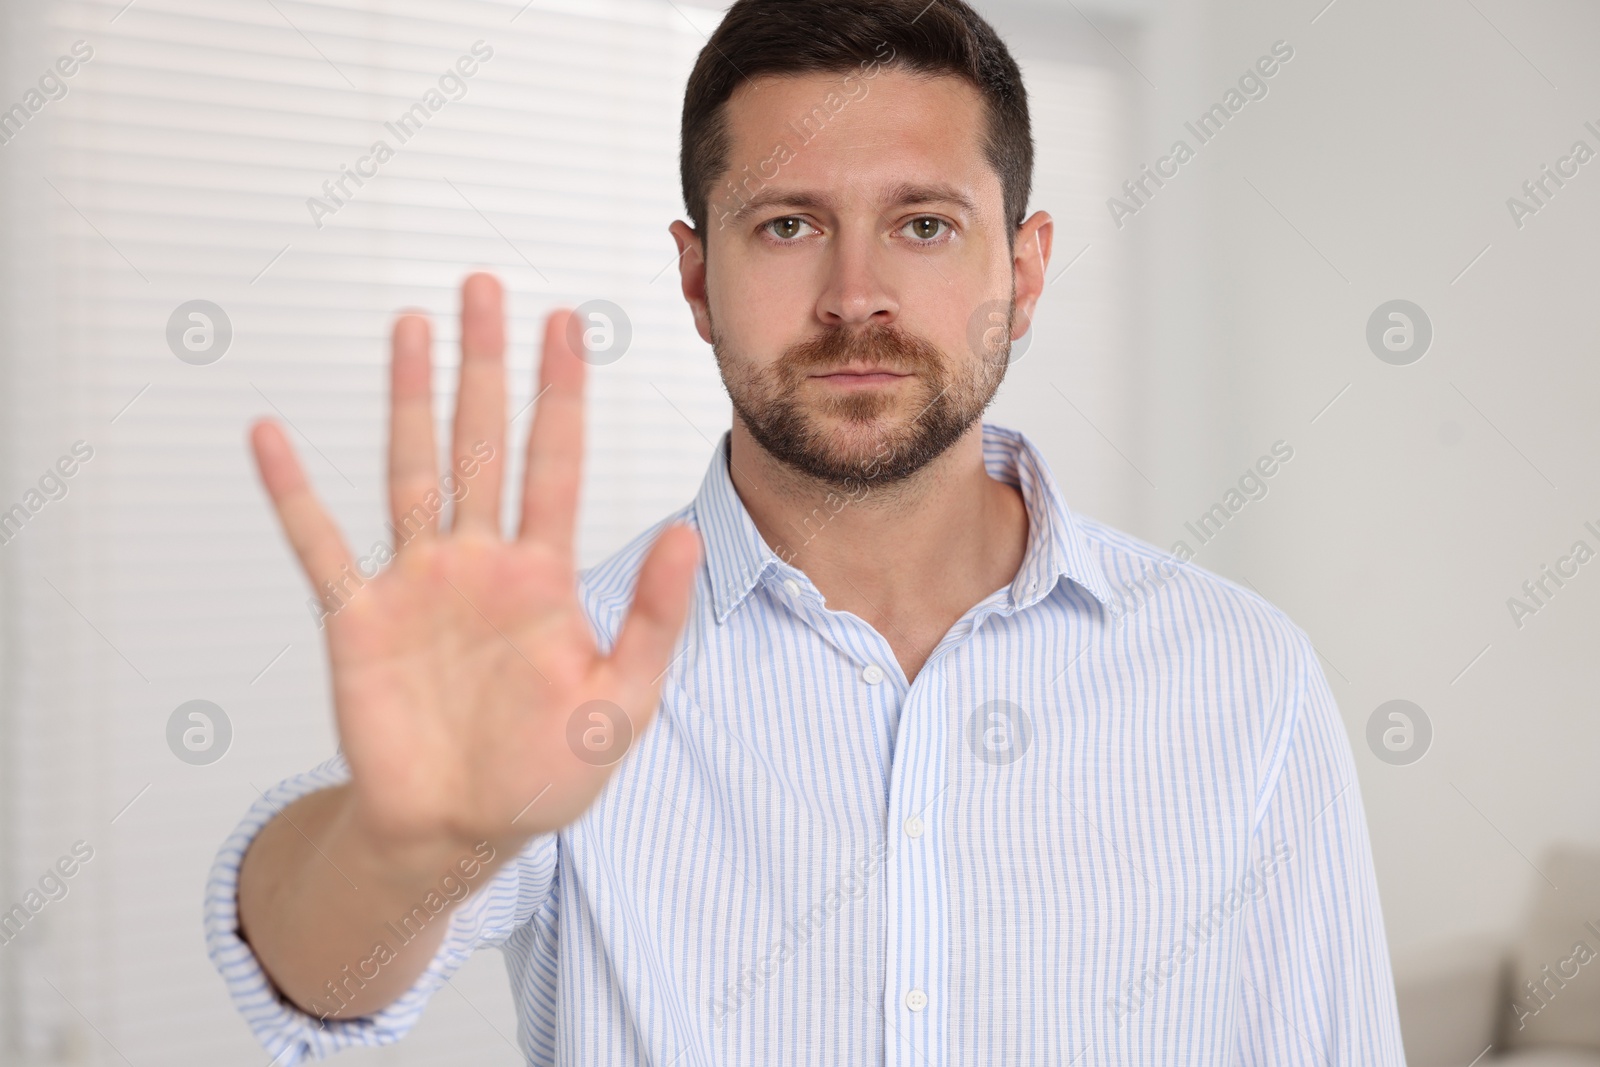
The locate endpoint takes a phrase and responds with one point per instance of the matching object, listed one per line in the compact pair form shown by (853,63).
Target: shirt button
(916,1000)
(872,674)
(915,827)
(791,587)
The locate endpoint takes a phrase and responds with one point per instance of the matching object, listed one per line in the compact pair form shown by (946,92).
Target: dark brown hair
(759,37)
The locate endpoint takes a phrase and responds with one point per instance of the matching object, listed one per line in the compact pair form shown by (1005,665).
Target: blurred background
(172,266)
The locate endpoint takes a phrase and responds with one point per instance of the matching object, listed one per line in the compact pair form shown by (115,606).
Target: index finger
(555,443)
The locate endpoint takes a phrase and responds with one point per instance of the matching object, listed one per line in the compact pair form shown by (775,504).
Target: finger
(413,462)
(555,443)
(478,441)
(660,605)
(312,534)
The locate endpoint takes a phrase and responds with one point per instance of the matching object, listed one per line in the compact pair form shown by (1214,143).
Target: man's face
(862,239)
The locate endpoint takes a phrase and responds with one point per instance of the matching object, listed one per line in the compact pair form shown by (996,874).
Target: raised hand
(458,670)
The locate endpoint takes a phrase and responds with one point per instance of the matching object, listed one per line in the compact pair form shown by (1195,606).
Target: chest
(1001,842)
(1004,778)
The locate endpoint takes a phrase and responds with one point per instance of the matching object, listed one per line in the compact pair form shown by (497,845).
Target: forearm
(343,928)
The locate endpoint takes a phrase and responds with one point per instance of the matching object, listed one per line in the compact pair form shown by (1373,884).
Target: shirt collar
(737,558)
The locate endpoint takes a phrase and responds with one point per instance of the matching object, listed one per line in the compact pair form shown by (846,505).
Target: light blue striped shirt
(1114,820)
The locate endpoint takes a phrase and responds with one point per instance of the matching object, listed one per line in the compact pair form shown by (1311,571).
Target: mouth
(858,377)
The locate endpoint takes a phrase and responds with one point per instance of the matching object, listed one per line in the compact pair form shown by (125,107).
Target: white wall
(1427,494)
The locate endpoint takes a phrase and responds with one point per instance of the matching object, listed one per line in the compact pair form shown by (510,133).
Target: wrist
(410,864)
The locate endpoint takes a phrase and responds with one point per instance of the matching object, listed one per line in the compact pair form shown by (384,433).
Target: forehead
(843,130)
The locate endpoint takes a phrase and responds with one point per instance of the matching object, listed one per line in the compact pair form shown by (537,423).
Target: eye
(926,228)
(787,228)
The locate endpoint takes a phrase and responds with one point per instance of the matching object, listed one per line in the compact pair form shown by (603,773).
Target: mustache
(884,346)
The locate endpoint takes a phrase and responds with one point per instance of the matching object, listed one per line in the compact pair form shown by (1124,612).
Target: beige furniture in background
(1530,1001)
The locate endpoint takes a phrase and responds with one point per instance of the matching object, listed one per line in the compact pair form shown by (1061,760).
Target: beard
(938,404)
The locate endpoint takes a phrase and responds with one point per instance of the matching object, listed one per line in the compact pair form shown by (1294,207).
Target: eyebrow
(911,194)
(767,198)
(908,194)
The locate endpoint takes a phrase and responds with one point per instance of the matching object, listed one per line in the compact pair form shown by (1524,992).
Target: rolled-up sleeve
(1316,985)
(487,917)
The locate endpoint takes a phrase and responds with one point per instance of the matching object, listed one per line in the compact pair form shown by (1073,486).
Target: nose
(857,291)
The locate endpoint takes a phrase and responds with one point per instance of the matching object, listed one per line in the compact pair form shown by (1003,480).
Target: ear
(1029,263)
(692,275)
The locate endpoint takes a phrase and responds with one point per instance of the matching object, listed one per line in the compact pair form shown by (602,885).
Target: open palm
(471,699)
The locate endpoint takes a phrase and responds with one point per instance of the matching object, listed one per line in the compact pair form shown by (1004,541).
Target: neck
(870,550)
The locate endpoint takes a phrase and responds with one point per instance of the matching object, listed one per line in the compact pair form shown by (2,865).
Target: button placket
(914,969)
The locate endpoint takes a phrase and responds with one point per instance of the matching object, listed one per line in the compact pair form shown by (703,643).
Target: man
(875,752)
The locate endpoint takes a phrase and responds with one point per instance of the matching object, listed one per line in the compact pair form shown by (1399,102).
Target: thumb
(660,605)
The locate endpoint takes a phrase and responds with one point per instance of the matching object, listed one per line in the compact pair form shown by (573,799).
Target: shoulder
(1234,654)
(1199,610)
